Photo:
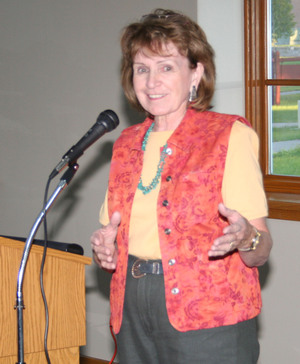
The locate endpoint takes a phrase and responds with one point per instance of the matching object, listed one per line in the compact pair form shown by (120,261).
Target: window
(272,65)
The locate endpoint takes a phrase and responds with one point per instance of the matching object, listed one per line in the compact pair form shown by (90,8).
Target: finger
(107,265)
(115,219)
(103,250)
(224,240)
(96,239)
(232,229)
(218,252)
(109,232)
(232,216)
(223,210)
(103,257)
(223,245)
(219,249)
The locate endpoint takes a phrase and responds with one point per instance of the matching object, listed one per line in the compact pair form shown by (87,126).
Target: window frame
(283,192)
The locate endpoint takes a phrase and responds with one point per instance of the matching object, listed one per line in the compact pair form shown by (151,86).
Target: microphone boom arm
(65,180)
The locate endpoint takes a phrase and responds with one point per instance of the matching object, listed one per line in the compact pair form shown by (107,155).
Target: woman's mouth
(156,96)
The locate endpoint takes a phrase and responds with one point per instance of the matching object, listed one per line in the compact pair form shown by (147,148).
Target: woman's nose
(153,79)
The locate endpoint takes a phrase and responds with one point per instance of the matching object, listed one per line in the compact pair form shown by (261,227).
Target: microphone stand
(65,180)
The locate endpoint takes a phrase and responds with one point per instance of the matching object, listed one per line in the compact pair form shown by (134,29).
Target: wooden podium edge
(51,252)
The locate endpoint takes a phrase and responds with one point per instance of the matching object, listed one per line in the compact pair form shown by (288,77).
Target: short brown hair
(153,32)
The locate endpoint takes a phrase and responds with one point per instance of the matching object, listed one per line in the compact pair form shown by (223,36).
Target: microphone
(106,121)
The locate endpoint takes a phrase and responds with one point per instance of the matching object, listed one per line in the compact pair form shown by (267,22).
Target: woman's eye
(141,70)
(167,68)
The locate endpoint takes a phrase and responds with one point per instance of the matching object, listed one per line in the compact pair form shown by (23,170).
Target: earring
(193,94)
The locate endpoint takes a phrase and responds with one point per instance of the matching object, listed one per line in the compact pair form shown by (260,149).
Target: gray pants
(147,337)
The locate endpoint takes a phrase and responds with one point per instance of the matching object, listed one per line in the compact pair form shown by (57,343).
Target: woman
(184,217)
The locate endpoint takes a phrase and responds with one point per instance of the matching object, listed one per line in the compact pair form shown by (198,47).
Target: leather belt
(142,267)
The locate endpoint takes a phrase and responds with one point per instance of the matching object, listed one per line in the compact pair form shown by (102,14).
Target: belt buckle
(136,273)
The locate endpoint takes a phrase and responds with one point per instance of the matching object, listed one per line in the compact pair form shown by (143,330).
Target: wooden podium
(64,283)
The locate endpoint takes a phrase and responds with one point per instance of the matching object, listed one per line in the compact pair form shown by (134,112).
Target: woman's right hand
(103,243)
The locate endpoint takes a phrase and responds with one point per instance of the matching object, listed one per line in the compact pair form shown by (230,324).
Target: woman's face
(162,83)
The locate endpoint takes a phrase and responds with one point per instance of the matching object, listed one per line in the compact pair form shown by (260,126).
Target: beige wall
(59,69)
(60,64)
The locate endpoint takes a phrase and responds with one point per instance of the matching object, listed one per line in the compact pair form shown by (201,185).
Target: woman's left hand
(238,235)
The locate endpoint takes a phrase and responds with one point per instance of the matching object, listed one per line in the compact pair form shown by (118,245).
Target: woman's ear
(199,70)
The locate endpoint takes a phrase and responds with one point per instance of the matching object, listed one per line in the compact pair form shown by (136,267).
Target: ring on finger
(231,246)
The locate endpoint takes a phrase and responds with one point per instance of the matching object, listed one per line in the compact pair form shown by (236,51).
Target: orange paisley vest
(200,292)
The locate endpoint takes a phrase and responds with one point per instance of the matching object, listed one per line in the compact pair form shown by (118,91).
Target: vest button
(169,151)
(165,203)
(172,261)
(169,178)
(175,290)
(167,231)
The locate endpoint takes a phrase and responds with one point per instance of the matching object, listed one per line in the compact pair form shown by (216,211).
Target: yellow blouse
(242,188)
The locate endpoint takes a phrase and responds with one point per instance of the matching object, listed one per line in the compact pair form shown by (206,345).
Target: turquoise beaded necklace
(160,166)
